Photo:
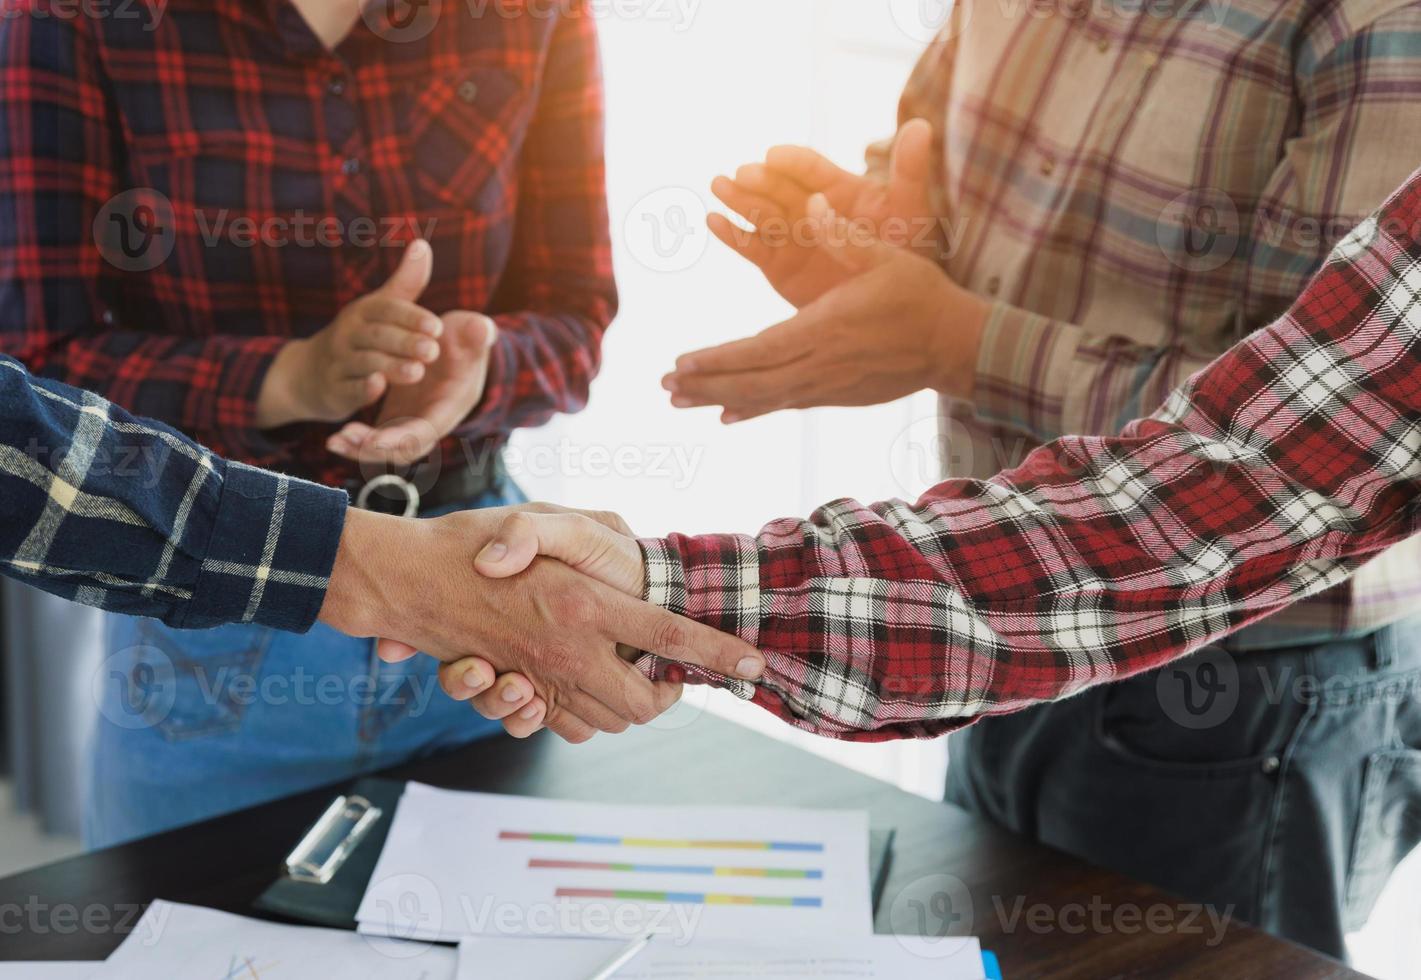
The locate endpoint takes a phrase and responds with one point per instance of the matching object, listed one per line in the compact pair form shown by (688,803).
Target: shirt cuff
(713,579)
(269,558)
(244,368)
(1024,371)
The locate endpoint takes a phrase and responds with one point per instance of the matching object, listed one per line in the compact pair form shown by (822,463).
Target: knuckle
(669,634)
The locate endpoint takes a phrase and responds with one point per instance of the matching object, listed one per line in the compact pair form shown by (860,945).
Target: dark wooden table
(1045,914)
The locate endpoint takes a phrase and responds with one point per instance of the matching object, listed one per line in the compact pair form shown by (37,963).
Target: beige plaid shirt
(1141,184)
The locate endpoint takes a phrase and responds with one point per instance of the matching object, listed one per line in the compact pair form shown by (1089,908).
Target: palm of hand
(413,418)
(801,271)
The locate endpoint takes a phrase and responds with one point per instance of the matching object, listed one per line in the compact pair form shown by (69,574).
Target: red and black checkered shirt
(1271,475)
(186,186)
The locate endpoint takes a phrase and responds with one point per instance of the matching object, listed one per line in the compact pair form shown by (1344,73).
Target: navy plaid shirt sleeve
(1269,477)
(130,516)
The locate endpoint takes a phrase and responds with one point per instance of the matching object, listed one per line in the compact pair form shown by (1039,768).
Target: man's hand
(384,338)
(773,197)
(415,417)
(896,325)
(415,581)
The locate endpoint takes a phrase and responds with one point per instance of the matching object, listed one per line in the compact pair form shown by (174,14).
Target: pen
(610,968)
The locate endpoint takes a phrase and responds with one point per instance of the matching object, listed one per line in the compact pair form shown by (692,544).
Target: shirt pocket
(465,135)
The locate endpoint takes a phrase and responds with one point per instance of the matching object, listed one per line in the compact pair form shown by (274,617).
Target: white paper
(173,940)
(53,970)
(869,958)
(455,865)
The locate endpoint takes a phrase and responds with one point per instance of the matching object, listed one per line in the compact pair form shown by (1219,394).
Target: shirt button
(1271,765)
(468,91)
(336,86)
(1048,167)
(1103,44)
(350,167)
(994,285)
(109,318)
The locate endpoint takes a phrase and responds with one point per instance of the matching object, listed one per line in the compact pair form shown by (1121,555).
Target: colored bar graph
(677,869)
(690,898)
(658,842)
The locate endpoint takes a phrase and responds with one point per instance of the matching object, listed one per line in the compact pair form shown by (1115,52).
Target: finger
(573,539)
(851,244)
(749,394)
(910,171)
(780,344)
(400,442)
(394,651)
(401,313)
(597,713)
(810,168)
(473,329)
(466,678)
(348,440)
(747,244)
(658,631)
(395,370)
(388,337)
(528,721)
(414,272)
(568,726)
(509,694)
(786,194)
(754,208)
(358,392)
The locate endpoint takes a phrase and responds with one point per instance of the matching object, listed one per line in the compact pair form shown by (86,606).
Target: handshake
(535,613)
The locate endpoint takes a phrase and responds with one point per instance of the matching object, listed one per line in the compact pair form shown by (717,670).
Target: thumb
(580,542)
(851,244)
(414,272)
(910,171)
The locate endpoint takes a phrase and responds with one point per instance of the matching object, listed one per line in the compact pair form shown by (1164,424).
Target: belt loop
(1384,643)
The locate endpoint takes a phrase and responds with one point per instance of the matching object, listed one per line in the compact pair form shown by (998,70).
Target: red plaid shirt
(1271,475)
(186,186)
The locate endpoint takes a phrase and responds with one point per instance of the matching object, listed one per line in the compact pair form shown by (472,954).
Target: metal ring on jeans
(411,492)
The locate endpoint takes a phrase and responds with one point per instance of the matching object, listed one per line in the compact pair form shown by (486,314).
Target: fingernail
(427,351)
(512,694)
(474,680)
(729,419)
(529,713)
(680,401)
(686,364)
(671,384)
(417,248)
(494,552)
(749,668)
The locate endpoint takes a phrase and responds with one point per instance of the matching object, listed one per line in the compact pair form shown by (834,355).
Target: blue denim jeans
(193,724)
(1279,786)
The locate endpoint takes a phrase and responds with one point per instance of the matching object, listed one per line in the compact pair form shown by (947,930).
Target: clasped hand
(471,590)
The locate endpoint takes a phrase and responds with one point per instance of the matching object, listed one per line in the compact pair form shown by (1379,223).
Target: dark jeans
(1286,783)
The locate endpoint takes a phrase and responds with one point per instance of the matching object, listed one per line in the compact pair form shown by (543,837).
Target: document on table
(173,940)
(868,958)
(460,864)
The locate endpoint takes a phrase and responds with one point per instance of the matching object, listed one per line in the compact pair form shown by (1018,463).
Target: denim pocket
(1388,828)
(212,676)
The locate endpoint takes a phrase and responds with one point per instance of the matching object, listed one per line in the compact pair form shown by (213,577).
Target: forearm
(1269,477)
(129,515)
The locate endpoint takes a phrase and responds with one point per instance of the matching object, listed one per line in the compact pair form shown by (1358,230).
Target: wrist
(279,402)
(361,599)
(958,330)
